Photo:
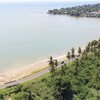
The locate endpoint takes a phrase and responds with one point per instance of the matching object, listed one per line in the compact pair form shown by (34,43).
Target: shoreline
(19,73)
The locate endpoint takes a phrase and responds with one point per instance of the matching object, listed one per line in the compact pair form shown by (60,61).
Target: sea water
(29,34)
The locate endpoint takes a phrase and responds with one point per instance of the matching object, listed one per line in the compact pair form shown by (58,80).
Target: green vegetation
(78,80)
(79,11)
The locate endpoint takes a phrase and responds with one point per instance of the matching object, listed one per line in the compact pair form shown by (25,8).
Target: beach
(15,74)
(28,34)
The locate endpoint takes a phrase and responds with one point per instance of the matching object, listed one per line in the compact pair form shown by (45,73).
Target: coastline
(16,74)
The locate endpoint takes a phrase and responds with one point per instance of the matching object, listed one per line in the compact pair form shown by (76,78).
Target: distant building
(98,12)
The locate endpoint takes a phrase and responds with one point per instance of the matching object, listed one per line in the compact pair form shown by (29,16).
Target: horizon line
(46,1)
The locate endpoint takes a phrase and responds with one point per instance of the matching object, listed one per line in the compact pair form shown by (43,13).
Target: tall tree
(98,45)
(73,52)
(51,64)
(68,56)
(79,50)
(76,67)
(63,70)
(56,62)
(63,89)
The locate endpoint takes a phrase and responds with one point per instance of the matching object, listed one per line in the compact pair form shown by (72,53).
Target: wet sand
(19,73)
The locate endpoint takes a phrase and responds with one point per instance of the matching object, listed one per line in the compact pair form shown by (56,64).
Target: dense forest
(77,80)
(92,10)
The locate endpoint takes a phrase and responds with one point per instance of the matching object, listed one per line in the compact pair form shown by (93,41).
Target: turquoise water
(28,34)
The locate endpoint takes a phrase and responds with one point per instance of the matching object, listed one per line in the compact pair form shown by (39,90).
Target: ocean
(28,34)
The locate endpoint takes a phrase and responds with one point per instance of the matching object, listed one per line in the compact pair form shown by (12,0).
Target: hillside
(78,80)
(79,11)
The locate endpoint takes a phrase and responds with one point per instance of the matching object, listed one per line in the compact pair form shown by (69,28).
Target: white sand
(16,74)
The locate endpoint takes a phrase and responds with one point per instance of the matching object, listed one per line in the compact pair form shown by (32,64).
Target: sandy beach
(19,73)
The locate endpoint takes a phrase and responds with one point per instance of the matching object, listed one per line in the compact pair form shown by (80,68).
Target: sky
(44,0)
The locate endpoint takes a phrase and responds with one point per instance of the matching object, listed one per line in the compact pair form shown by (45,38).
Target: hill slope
(79,80)
(79,11)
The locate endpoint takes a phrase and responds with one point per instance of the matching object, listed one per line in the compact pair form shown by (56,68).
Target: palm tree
(98,45)
(76,66)
(99,39)
(89,45)
(85,54)
(56,63)
(51,64)
(73,53)
(79,51)
(51,58)
(63,70)
(87,49)
(72,50)
(68,55)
